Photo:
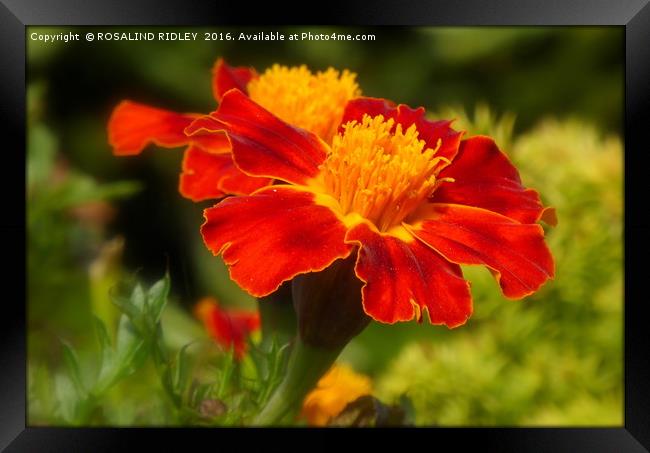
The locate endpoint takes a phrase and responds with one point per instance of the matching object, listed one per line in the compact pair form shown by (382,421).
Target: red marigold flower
(312,101)
(403,193)
(229,327)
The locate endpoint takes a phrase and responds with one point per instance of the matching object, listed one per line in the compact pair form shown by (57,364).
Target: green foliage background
(552,98)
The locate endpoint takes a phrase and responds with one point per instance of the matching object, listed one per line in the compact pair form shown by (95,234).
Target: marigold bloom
(313,101)
(403,193)
(230,328)
(340,386)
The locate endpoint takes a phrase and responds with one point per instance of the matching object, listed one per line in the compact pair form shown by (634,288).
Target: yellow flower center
(380,175)
(314,102)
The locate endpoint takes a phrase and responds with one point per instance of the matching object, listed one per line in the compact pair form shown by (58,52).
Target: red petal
(133,126)
(201,171)
(234,182)
(208,176)
(225,77)
(515,252)
(272,236)
(429,131)
(356,108)
(246,320)
(230,328)
(262,144)
(214,143)
(485,178)
(404,278)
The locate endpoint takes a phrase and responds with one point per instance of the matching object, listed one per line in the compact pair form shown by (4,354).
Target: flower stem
(307,364)
(278,316)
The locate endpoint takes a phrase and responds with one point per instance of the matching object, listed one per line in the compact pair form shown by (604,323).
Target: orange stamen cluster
(380,173)
(314,102)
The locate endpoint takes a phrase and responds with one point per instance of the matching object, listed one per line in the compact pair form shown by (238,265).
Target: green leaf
(74,371)
(200,393)
(159,348)
(183,367)
(226,372)
(139,337)
(167,378)
(277,359)
(125,305)
(157,298)
(140,355)
(130,348)
(105,345)
(139,299)
(259,357)
(66,397)
(134,307)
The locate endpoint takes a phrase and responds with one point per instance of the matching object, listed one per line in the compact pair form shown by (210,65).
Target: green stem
(307,364)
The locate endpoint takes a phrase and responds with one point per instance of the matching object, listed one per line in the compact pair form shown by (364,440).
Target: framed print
(416,218)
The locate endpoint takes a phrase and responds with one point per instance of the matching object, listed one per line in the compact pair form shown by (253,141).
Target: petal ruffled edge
(207,176)
(226,77)
(403,278)
(273,235)
(262,144)
(484,177)
(132,126)
(515,253)
(429,131)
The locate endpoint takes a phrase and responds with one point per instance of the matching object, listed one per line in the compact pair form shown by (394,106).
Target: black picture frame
(15,15)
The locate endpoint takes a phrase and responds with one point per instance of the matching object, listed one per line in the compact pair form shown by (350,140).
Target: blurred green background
(551,96)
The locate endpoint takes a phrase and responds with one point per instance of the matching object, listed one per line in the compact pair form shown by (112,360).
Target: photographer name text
(196,36)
